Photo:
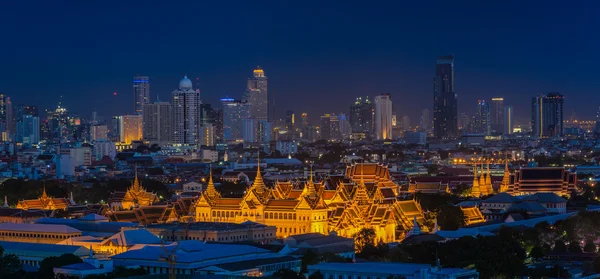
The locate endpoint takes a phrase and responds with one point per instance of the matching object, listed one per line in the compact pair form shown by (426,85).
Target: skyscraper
(234,111)
(131,128)
(330,127)
(258,97)
(157,123)
(10,119)
(482,118)
(141,93)
(361,116)
(304,125)
(186,113)
(425,121)
(497,115)
(508,120)
(445,104)
(547,115)
(405,123)
(207,135)
(290,120)
(98,133)
(28,130)
(383,117)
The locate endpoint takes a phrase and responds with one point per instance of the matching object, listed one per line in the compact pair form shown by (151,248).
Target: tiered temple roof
(45,202)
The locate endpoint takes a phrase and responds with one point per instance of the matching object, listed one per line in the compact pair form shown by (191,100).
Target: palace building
(135,196)
(45,202)
(366,197)
(528,181)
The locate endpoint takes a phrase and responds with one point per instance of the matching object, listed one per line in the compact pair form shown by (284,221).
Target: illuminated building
(290,120)
(207,135)
(361,116)
(157,123)
(234,111)
(383,117)
(472,215)
(364,198)
(36,233)
(330,127)
(98,132)
(28,130)
(257,95)
(482,185)
(141,93)
(509,120)
(445,103)
(58,124)
(425,121)
(45,202)
(135,196)
(497,116)
(131,127)
(547,115)
(481,123)
(186,113)
(527,181)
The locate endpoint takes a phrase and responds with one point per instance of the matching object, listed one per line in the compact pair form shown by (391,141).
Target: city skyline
(340,72)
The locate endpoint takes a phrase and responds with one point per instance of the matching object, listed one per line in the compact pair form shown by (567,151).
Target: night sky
(318,56)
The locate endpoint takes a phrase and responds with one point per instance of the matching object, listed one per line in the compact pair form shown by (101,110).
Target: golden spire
(258,184)
(136,186)
(210,188)
(361,194)
(505,178)
(44,195)
(475,179)
(488,179)
(310,185)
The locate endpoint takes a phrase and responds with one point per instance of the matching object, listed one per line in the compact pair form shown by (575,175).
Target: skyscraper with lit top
(141,93)
(257,95)
(383,117)
(186,113)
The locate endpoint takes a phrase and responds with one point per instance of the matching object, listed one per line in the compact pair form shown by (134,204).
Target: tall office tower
(330,127)
(508,120)
(98,133)
(28,130)
(25,110)
(445,103)
(290,120)
(383,117)
(405,123)
(59,124)
(186,113)
(114,131)
(425,121)
(598,121)
(11,125)
(547,115)
(3,123)
(497,116)
(258,96)
(157,123)
(206,115)
(482,118)
(207,135)
(234,111)
(345,127)
(131,128)
(141,93)
(464,121)
(256,131)
(361,116)
(304,125)
(217,115)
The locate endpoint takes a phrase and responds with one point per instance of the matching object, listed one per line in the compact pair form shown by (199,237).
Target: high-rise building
(464,121)
(141,93)
(157,123)
(234,111)
(481,124)
(186,113)
(425,121)
(497,116)
(256,131)
(405,123)
(290,120)
(508,120)
(547,115)
(361,116)
(257,95)
(11,125)
(383,117)
(28,130)
(304,125)
(98,133)
(25,110)
(445,103)
(131,128)
(330,127)
(58,124)
(207,135)
(217,116)
(345,127)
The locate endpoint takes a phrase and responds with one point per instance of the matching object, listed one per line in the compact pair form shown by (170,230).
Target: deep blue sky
(318,55)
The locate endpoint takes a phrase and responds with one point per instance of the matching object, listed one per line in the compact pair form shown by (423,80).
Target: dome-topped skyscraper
(185,83)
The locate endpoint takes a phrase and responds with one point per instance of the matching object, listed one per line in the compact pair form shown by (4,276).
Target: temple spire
(71,199)
(44,195)
(310,186)
(505,178)
(476,189)
(258,184)
(5,201)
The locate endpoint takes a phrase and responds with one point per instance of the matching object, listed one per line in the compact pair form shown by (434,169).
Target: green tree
(316,275)
(574,247)
(432,169)
(559,247)
(286,274)
(364,238)
(462,190)
(10,266)
(450,217)
(309,258)
(48,264)
(537,252)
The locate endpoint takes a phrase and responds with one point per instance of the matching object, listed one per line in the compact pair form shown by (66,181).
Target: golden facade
(135,196)
(45,202)
(482,185)
(365,198)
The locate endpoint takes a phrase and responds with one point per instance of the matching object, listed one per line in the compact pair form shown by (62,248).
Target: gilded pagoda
(482,185)
(45,202)
(365,197)
(135,196)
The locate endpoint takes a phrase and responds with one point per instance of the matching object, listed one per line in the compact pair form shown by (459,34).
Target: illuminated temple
(135,196)
(364,198)
(527,181)
(45,202)
(482,185)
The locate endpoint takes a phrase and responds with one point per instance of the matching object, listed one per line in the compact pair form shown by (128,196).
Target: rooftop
(42,228)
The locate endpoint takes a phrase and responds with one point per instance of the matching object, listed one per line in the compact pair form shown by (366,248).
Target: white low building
(383,270)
